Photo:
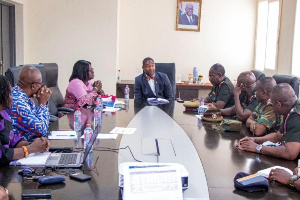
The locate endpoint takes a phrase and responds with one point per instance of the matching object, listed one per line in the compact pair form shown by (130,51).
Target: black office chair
(56,100)
(258,74)
(12,74)
(293,81)
(169,69)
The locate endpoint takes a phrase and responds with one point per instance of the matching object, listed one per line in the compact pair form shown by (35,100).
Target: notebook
(59,160)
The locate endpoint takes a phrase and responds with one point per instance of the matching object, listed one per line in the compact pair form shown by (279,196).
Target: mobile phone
(36,194)
(80,177)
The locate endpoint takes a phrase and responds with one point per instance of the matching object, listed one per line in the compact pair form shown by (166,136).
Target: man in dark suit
(151,84)
(188,18)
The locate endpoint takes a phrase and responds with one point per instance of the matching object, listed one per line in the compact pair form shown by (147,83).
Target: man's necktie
(150,78)
(191,20)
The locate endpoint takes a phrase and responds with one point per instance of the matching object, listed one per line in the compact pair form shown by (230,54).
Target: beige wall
(286,37)
(115,34)
(227,32)
(64,31)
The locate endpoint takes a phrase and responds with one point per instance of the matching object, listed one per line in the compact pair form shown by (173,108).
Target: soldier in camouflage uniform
(284,103)
(263,117)
(245,100)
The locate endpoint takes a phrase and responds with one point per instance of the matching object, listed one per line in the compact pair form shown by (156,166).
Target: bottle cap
(88,125)
(77,108)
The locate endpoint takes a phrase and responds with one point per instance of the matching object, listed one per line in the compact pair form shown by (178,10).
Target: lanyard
(285,122)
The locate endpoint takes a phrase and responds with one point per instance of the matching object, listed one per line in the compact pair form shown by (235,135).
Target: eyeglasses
(245,85)
(42,84)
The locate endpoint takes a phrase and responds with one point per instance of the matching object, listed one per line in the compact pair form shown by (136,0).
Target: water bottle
(98,112)
(195,74)
(88,133)
(89,160)
(201,103)
(77,120)
(126,105)
(126,92)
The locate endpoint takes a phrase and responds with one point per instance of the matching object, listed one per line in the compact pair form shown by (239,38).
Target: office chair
(169,69)
(12,74)
(56,100)
(258,74)
(293,81)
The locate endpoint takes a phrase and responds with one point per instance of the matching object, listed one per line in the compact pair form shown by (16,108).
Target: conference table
(216,163)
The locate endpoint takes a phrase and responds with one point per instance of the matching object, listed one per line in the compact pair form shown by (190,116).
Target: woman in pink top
(81,91)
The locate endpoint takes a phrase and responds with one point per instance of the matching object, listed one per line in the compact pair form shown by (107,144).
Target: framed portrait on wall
(188,15)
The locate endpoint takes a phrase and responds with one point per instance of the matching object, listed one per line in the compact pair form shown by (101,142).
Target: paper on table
(62,135)
(152,182)
(33,159)
(266,172)
(111,109)
(121,130)
(199,116)
(105,136)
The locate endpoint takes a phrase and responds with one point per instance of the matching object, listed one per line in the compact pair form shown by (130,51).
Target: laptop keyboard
(68,158)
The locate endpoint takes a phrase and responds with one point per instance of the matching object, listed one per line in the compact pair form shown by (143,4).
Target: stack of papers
(111,109)
(105,136)
(266,172)
(33,159)
(62,135)
(157,101)
(152,182)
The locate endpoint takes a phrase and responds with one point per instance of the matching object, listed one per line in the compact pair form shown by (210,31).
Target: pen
(65,135)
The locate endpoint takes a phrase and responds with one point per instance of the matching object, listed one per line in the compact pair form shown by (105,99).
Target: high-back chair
(12,74)
(169,69)
(57,98)
(258,74)
(293,81)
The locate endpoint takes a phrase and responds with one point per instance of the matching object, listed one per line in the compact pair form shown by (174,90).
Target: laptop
(71,160)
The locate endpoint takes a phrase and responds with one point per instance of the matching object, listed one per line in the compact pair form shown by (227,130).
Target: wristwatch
(258,148)
(293,179)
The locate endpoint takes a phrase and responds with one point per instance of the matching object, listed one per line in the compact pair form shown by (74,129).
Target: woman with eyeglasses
(81,91)
(13,146)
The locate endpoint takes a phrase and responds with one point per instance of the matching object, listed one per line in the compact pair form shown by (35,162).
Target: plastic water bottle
(77,120)
(98,112)
(126,105)
(126,92)
(88,133)
(195,74)
(89,160)
(201,103)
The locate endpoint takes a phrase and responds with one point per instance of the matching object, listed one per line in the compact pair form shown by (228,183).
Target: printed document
(62,135)
(33,159)
(121,130)
(152,182)
(266,172)
(105,136)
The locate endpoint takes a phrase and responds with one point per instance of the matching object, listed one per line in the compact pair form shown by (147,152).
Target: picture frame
(188,15)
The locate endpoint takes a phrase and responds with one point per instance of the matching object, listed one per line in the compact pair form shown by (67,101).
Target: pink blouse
(78,94)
